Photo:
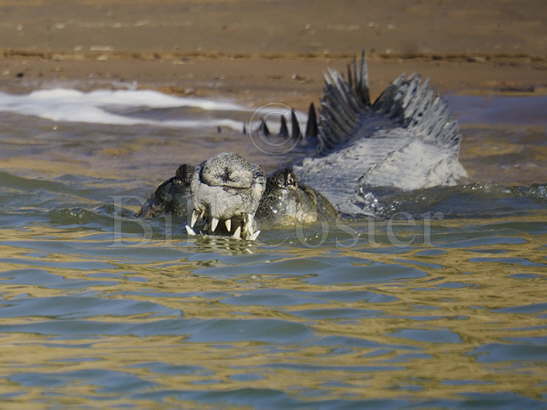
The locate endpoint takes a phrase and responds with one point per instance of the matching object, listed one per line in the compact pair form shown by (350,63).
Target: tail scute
(343,102)
(412,102)
(311,125)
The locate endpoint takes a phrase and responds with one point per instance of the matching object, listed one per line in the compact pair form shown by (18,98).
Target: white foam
(92,107)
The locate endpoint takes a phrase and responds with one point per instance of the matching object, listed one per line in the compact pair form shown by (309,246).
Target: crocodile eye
(290,179)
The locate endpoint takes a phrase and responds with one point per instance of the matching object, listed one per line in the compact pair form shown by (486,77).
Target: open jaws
(243,227)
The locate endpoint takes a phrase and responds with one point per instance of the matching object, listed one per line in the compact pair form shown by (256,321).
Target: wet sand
(258,52)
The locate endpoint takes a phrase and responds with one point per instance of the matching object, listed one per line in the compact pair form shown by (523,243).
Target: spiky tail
(409,102)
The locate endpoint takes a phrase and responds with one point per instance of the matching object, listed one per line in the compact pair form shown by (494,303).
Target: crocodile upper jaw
(226,191)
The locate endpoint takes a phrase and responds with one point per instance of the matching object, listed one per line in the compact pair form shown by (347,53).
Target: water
(448,311)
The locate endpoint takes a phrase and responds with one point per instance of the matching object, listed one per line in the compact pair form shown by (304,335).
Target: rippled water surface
(108,311)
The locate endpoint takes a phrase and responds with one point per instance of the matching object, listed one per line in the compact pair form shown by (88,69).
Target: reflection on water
(440,312)
(288,321)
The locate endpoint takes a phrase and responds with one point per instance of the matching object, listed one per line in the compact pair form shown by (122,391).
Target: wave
(106,106)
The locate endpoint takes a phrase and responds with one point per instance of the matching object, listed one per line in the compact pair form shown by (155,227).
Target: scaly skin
(287,202)
(170,197)
(226,188)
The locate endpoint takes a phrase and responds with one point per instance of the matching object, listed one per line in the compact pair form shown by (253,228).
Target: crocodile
(229,188)
(355,152)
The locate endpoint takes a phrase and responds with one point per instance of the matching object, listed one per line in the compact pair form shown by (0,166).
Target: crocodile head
(171,196)
(287,202)
(226,191)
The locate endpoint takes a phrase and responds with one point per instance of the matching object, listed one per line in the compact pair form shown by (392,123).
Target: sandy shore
(275,47)
(264,51)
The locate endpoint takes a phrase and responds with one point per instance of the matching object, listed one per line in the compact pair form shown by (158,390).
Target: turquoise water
(100,309)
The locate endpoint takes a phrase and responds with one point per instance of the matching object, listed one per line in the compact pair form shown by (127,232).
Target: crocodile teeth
(195,217)
(228,223)
(214,224)
(237,233)
(254,236)
(249,218)
(190,231)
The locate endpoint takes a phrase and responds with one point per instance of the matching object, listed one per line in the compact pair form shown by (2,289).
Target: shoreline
(259,51)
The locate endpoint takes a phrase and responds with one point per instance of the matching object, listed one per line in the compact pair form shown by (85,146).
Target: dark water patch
(300,267)
(454,285)
(77,266)
(166,368)
(533,228)
(202,331)
(428,335)
(8,396)
(262,398)
(76,216)
(69,328)
(76,307)
(347,342)
(107,381)
(525,309)
(246,377)
(354,296)
(46,247)
(375,272)
(379,353)
(310,367)
(528,276)
(137,253)
(345,270)
(103,218)
(534,341)
(389,250)
(255,397)
(360,343)
(514,352)
(487,240)
(234,259)
(266,330)
(21,219)
(499,400)
(67,345)
(43,278)
(105,275)
(33,185)
(283,297)
(267,297)
(206,381)
(322,314)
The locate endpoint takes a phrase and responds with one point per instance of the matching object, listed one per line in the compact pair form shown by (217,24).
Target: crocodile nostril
(225,176)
